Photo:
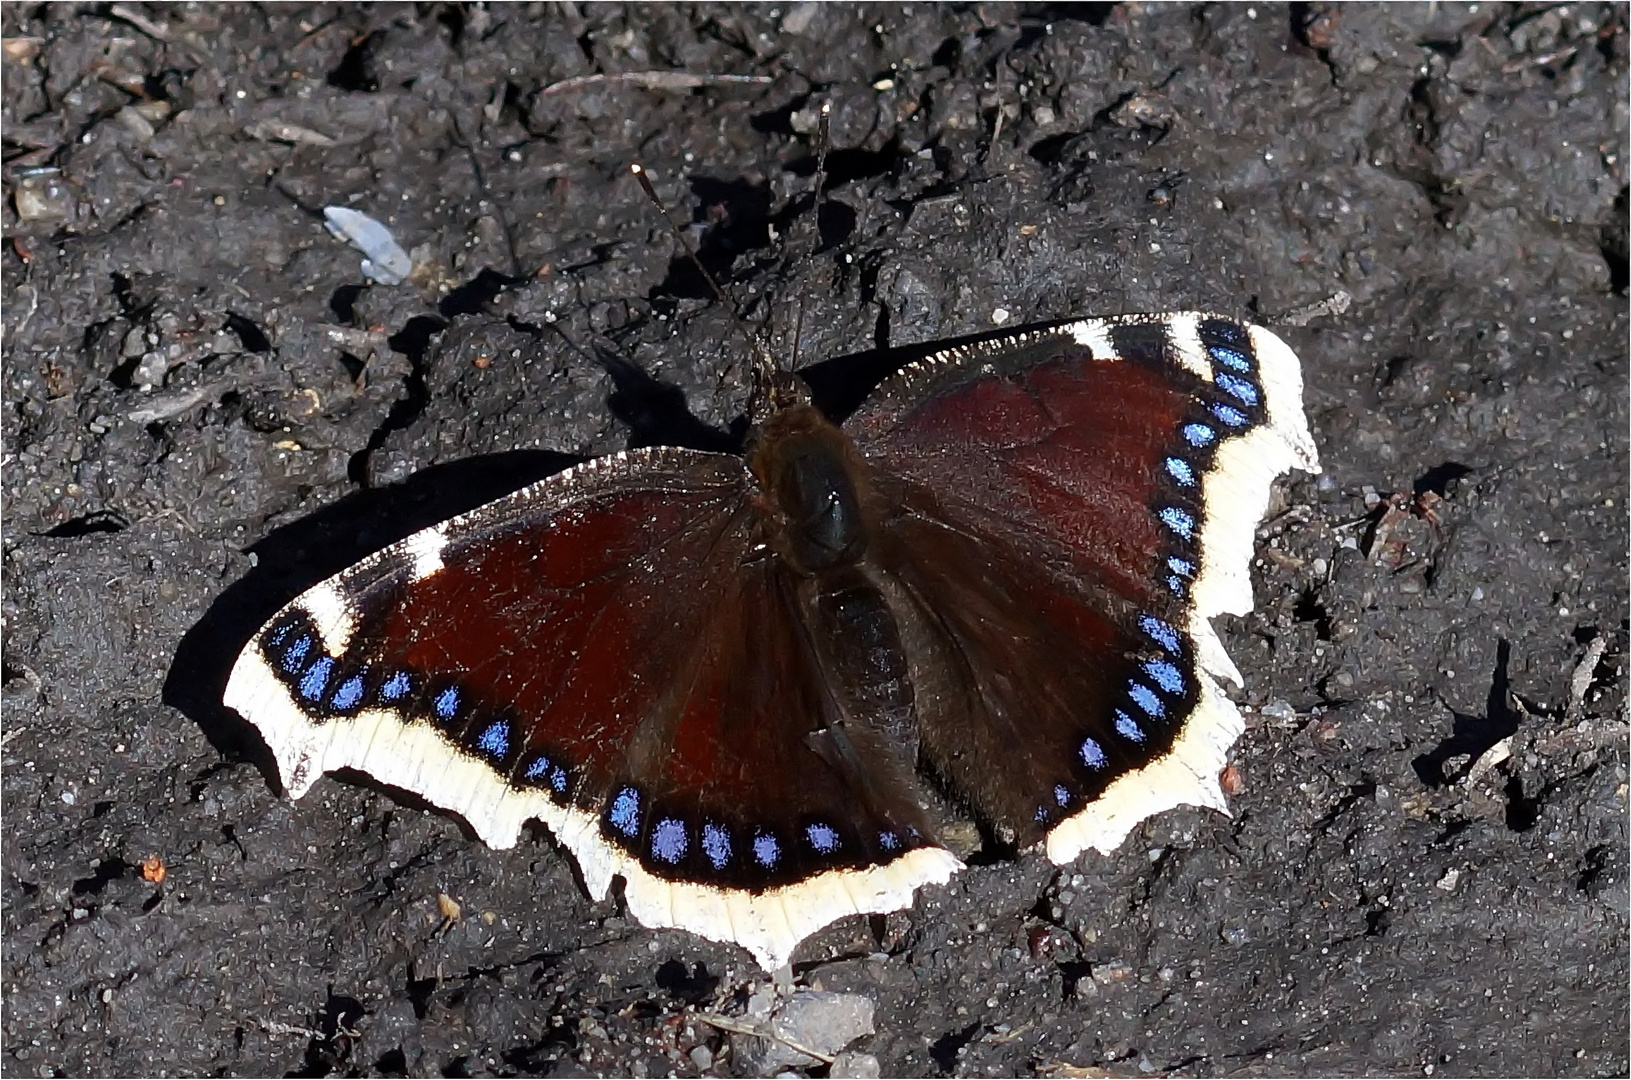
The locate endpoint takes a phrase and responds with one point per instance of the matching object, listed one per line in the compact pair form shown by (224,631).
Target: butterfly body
(752,687)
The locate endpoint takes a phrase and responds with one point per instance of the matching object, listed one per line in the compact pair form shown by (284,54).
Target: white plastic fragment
(384,260)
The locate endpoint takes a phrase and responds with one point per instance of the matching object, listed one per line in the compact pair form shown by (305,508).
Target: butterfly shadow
(294,557)
(839,385)
(1472,735)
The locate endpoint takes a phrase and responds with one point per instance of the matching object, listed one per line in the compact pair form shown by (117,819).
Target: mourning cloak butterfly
(742,685)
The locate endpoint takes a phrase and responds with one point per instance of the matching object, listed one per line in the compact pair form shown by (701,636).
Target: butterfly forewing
(611,652)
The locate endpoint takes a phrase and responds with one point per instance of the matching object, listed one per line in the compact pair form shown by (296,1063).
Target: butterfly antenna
(822,141)
(764,364)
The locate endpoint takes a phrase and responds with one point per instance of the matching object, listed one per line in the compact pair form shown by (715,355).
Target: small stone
(798,18)
(702,1058)
(855,1066)
(816,1020)
(41,195)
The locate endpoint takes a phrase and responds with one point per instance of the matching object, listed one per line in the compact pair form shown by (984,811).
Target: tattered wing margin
(1235,494)
(412,756)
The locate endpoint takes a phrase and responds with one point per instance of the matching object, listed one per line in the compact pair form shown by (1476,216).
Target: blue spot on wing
(1167,676)
(1179,521)
(1179,470)
(537,769)
(624,814)
(1198,435)
(888,841)
(396,687)
(1237,388)
(1180,566)
(1229,358)
(716,844)
(294,657)
(766,850)
(557,780)
(495,740)
(1162,634)
(316,678)
(347,694)
(669,841)
(447,703)
(1061,794)
(1128,728)
(1146,699)
(823,837)
(1092,754)
(1230,415)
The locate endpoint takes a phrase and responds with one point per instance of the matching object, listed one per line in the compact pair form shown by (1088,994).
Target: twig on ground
(654,80)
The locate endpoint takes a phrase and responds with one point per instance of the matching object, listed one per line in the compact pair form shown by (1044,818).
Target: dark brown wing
(609,652)
(1074,506)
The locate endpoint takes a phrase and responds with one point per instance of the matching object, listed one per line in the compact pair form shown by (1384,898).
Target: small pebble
(855,1067)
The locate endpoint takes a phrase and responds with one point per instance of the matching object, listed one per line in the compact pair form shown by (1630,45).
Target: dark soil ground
(208,408)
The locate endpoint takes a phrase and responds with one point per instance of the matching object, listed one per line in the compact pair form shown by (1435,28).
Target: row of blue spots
(670,840)
(312,680)
(1167,675)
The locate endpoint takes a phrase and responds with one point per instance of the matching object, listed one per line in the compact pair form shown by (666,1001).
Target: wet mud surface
(208,408)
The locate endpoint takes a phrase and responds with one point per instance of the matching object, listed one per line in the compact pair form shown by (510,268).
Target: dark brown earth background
(208,408)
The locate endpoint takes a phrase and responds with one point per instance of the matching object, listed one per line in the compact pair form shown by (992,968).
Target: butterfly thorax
(811,479)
